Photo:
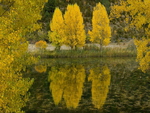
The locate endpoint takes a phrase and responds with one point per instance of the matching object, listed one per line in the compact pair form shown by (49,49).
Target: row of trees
(68,29)
(134,13)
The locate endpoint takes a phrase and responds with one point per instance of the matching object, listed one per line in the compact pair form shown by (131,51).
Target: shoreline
(127,49)
(50,47)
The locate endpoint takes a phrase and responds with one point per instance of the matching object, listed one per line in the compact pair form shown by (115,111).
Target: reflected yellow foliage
(100,78)
(67,83)
(40,68)
(56,77)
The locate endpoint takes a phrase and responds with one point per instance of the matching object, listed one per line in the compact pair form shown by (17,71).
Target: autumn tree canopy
(74,32)
(101,31)
(137,16)
(57,29)
(17,17)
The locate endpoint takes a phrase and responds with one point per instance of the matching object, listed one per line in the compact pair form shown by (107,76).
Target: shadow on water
(95,85)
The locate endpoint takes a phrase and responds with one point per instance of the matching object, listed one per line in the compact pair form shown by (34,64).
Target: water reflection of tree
(100,78)
(40,68)
(67,83)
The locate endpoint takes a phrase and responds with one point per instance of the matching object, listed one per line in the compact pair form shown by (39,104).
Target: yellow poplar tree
(57,29)
(74,32)
(101,31)
(137,16)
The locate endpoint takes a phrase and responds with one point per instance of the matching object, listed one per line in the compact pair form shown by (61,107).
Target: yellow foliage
(57,28)
(100,85)
(137,15)
(74,33)
(143,53)
(40,68)
(41,44)
(101,31)
(16,19)
(23,14)
(67,82)
(136,10)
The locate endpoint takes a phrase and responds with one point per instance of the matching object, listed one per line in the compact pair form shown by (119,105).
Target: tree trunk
(72,47)
(76,47)
(57,48)
(101,45)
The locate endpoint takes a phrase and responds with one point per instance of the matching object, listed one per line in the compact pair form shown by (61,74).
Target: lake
(88,85)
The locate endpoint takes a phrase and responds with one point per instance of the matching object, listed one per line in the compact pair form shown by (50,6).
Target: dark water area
(88,85)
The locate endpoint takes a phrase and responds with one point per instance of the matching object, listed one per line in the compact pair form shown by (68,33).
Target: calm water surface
(92,85)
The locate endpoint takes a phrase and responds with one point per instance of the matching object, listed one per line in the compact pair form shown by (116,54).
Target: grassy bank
(105,52)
